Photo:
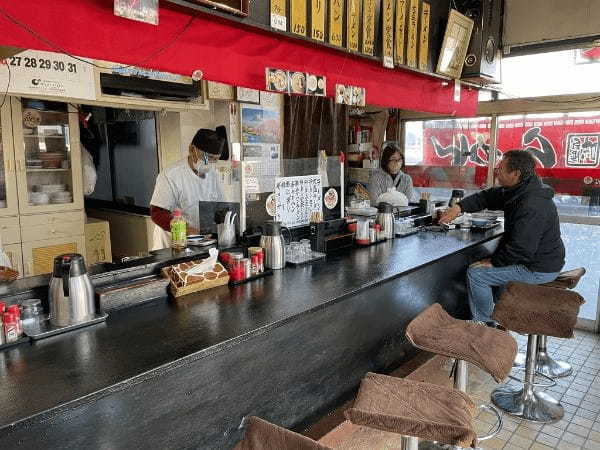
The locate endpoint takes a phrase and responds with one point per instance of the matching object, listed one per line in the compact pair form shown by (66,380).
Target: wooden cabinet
(48,157)
(38,256)
(8,186)
(41,194)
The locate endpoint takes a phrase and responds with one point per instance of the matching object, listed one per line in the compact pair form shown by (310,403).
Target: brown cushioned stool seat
(412,408)
(532,309)
(567,279)
(263,435)
(546,365)
(490,349)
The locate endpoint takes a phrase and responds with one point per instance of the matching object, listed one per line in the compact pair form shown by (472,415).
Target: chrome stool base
(545,364)
(537,407)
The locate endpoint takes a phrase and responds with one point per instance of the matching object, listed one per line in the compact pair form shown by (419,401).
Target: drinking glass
(306,250)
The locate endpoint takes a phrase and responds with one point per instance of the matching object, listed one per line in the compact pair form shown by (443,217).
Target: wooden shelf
(51,136)
(47,170)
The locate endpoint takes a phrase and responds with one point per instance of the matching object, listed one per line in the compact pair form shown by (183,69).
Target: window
(553,73)
(567,148)
(446,154)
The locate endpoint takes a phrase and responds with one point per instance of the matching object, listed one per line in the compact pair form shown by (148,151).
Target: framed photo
(246,95)
(455,45)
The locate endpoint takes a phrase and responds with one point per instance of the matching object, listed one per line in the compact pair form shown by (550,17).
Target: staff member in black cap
(185,183)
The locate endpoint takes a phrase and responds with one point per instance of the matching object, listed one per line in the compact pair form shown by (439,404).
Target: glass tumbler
(306,250)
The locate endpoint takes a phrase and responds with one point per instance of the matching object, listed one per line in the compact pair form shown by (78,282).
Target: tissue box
(182,283)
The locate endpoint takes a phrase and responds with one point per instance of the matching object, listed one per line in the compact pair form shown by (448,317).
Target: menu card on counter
(296,198)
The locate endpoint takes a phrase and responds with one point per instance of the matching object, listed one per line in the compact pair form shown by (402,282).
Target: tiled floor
(579,394)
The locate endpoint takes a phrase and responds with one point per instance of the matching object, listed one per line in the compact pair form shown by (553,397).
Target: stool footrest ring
(551,383)
(499,422)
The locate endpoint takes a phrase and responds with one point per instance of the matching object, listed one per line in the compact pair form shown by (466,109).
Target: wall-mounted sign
(247,95)
(336,22)
(455,45)
(424,37)
(298,17)
(141,10)
(400,32)
(353,24)
(297,198)
(368,36)
(388,33)
(290,82)
(278,15)
(317,19)
(37,73)
(220,91)
(412,36)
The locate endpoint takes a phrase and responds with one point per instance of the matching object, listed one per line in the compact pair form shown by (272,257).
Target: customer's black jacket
(532,231)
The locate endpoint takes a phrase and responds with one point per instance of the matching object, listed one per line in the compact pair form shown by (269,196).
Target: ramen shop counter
(286,347)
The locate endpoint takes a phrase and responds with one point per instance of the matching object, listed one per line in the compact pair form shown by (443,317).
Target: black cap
(208,141)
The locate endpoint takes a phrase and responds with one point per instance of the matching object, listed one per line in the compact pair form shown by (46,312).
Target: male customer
(531,249)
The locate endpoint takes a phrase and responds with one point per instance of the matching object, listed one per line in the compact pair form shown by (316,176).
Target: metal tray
(46,330)
(266,273)
(489,226)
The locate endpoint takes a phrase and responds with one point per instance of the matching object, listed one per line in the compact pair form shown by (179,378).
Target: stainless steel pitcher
(385,218)
(71,294)
(274,245)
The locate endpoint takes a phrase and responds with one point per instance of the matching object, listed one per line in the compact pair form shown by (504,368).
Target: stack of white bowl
(56,193)
(61,197)
(39,198)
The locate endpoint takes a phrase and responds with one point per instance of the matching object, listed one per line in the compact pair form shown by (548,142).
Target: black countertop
(140,342)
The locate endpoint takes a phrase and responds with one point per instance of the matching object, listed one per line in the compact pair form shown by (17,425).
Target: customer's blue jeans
(482,280)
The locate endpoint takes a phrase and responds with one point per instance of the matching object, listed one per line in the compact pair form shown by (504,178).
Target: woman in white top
(184,184)
(390,175)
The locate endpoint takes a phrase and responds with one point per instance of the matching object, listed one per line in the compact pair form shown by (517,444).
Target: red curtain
(224,50)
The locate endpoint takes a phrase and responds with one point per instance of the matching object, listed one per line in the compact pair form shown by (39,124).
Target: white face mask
(202,164)
(394,167)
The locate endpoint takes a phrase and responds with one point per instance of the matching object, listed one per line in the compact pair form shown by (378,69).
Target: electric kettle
(70,294)
(274,245)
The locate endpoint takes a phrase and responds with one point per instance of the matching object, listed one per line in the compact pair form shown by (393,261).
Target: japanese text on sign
(296,198)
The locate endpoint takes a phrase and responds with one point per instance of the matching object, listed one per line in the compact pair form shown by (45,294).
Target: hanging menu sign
(278,15)
(413,22)
(298,13)
(336,22)
(353,24)
(400,41)
(368,37)
(317,19)
(424,37)
(296,198)
(388,33)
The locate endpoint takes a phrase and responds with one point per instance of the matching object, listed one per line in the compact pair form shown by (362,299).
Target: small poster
(296,198)
(220,91)
(278,15)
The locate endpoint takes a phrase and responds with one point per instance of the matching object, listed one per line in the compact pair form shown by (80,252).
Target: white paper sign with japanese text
(296,198)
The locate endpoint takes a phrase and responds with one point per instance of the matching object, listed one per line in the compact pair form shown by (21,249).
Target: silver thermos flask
(71,294)
(274,245)
(385,218)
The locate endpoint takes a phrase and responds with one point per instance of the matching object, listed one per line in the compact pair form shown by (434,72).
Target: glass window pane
(446,154)
(552,73)
(566,146)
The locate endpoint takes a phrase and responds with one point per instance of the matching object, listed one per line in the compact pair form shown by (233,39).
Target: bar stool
(534,310)
(545,364)
(490,349)
(417,410)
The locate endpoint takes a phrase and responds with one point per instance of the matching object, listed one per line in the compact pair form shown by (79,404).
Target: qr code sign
(583,149)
